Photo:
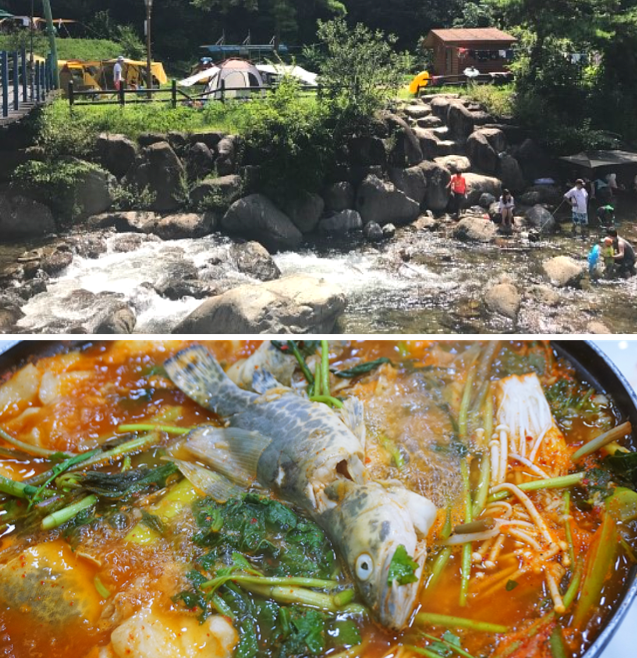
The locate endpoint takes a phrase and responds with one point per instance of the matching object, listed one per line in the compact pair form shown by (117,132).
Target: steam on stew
(482,505)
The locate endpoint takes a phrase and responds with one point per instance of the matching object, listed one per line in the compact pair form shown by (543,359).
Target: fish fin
(263,381)
(231,451)
(198,374)
(353,415)
(215,485)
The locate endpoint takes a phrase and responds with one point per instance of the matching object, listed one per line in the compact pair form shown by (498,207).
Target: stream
(419,282)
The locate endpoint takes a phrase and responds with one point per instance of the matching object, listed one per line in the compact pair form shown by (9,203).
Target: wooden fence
(24,83)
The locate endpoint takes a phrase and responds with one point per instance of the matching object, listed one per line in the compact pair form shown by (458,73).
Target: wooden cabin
(487,49)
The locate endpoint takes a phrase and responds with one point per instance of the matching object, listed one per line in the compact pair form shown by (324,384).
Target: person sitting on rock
(506,206)
(623,255)
(578,198)
(458,187)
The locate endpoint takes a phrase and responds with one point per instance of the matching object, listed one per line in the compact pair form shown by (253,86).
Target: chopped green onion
(567,525)
(327,399)
(67,513)
(438,566)
(551,483)
(603,439)
(325,367)
(99,586)
(298,595)
(448,621)
(482,493)
(556,642)
(148,427)
(317,387)
(573,586)
(466,548)
(19,489)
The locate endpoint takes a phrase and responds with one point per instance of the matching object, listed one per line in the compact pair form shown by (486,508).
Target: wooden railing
(23,83)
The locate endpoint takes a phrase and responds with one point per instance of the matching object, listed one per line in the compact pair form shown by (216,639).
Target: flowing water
(419,282)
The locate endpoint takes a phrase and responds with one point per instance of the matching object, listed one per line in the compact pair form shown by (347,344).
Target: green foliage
(476,14)
(290,135)
(127,196)
(67,48)
(402,568)
(128,41)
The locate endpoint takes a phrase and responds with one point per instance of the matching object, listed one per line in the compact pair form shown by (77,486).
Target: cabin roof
(469,35)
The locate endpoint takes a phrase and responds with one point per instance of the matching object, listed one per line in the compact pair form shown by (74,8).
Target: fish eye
(364,566)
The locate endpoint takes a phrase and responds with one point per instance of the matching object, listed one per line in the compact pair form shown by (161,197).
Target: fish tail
(198,374)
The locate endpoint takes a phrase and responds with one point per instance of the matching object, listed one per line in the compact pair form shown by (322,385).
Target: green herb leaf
(402,568)
(362,368)
(511,585)
(153,522)
(624,464)
(345,633)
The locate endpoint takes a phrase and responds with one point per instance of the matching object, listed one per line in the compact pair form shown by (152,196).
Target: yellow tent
(419,82)
(133,70)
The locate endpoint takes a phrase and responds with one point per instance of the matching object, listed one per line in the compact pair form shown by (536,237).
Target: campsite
(313,158)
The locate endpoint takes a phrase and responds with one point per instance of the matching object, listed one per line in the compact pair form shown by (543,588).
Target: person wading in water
(458,186)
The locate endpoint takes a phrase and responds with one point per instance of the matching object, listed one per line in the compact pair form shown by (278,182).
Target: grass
(85,49)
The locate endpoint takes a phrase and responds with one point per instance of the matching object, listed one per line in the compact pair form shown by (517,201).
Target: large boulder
(411,182)
(296,304)
(159,170)
(437,177)
(563,271)
(23,218)
(454,163)
(305,210)
(540,218)
(56,262)
(366,151)
(200,161)
(429,143)
(217,193)
(253,259)
(429,122)
(210,139)
(510,173)
(255,217)
(228,155)
(418,111)
(440,105)
(92,193)
(495,137)
(460,120)
(341,223)
(185,226)
(474,229)
(373,232)
(340,196)
(535,162)
(382,203)
(116,153)
(548,194)
(503,298)
(482,155)
(406,151)
(134,221)
(117,321)
(477,185)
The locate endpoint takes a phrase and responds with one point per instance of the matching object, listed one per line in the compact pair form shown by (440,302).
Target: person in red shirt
(458,187)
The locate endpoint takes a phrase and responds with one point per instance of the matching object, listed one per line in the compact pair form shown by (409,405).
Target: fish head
(370,523)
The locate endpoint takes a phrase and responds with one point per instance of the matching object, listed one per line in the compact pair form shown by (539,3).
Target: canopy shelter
(5,14)
(269,73)
(596,164)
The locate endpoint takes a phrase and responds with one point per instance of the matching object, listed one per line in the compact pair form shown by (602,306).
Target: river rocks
(477,185)
(175,289)
(366,151)
(295,304)
(186,226)
(474,229)
(148,139)
(417,111)
(120,319)
(373,232)
(510,173)
(429,122)
(56,262)
(340,196)
(10,313)
(128,242)
(411,182)
(255,217)
(481,153)
(503,298)
(228,156)
(426,222)
(437,177)
(253,259)
(429,143)
(305,210)
(458,163)
(406,151)
(548,194)
(210,139)
(125,222)
(217,193)
(564,271)
(89,246)
(116,153)
(382,203)
(440,105)
(460,120)
(22,218)
(200,161)
(159,170)
(389,231)
(545,295)
(341,223)
(540,218)
(596,327)
(92,193)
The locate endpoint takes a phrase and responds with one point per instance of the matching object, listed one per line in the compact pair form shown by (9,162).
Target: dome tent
(237,77)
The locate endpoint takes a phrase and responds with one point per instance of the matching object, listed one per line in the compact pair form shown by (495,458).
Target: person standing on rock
(506,206)
(458,187)
(578,198)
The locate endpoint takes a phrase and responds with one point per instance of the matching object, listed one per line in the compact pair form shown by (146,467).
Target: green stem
(447,527)
(573,586)
(438,566)
(327,399)
(487,422)
(459,650)
(466,401)
(136,445)
(299,357)
(422,651)
(67,513)
(325,367)
(343,598)
(317,387)
(551,483)
(567,526)
(556,642)
(147,427)
(269,580)
(466,548)
(222,607)
(448,621)
(483,485)
(298,595)
(27,447)
(19,489)
(603,439)
(483,371)
(628,549)
(585,399)
(355,609)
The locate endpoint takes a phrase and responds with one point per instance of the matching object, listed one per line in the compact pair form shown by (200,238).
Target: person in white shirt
(578,198)
(118,72)
(506,207)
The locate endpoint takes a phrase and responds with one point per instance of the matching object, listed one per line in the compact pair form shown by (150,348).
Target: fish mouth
(397,602)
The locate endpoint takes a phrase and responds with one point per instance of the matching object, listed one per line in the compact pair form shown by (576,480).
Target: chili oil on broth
(411,438)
